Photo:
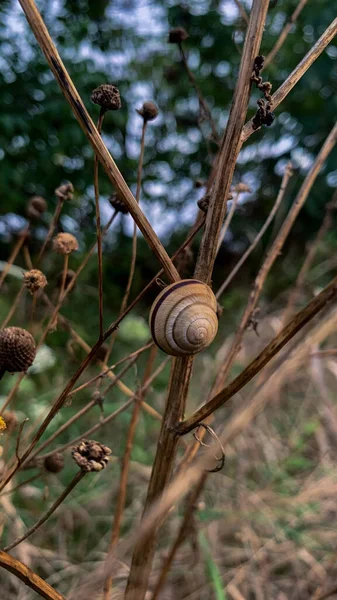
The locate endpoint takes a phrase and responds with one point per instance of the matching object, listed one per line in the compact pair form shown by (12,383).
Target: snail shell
(183,319)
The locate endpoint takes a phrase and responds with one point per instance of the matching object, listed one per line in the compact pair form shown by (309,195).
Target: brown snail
(183,319)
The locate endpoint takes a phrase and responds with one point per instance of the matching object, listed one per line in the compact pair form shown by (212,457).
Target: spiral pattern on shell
(183,318)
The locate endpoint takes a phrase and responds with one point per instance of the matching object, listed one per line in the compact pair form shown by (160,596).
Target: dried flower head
(36,207)
(65,192)
(65,243)
(10,420)
(107,96)
(149,111)
(34,280)
(17,349)
(118,204)
(3,424)
(54,463)
(90,455)
(177,35)
(69,278)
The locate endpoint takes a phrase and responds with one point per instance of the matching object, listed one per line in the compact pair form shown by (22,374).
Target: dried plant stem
(295,325)
(125,465)
(182,534)
(49,512)
(296,74)
(285,31)
(276,249)
(64,277)
(14,254)
(326,225)
(253,245)
(182,367)
(202,104)
(98,230)
(19,485)
(51,229)
(227,222)
(68,89)
(13,307)
(12,392)
(242,11)
(28,577)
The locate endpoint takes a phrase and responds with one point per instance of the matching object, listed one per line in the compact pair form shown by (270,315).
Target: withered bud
(203,203)
(90,455)
(177,35)
(65,243)
(149,111)
(199,183)
(65,192)
(107,96)
(242,187)
(36,207)
(10,420)
(69,277)
(102,352)
(34,280)
(118,204)
(17,349)
(54,463)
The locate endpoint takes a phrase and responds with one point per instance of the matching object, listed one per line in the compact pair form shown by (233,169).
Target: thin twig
(51,229)
(13,307)
(28,577)
(228,220)
(98,229)
(79,475)
(285,31)
(14,254)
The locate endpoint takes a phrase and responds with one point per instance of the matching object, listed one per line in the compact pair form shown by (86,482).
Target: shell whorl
(183,319)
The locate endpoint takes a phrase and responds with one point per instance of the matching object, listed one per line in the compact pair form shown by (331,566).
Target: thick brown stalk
(296,74)
(283,35)
(182,367)
(125,465)
(29,578)
(295,325)
(68,89)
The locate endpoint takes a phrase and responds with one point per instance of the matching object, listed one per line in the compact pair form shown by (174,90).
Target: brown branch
(51,229)
(242,11)
(14,254)
(295,325)
(283,35)
(28,577)
(98,230)
(68,89)
(296,74)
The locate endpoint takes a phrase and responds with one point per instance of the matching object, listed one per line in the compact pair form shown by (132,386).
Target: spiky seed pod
(107,96)
(149,111)
(118,204)
(65,243)
(10,420)
(65,192)
(17,349)
(54,463)
(177,35)
(69,277)
(36,207)
(34,280)
(90,455)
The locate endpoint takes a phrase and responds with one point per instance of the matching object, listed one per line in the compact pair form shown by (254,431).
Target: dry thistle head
(107,96)
(17,349)
(149,111)
(90,455)
(36,207)
(65,243)
(54,463)
(118,204)
(69,277)
(177,35)
(34,280)
(65,192)
(10,420)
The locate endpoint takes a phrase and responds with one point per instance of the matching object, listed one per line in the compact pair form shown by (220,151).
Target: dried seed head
(118,204)
(65,192)
(149,111)
(177,35)
(10,420)
(36,207)
(17,349)
(34,280)
(90,455)
(69,277)
(54,463)
(107,96)
(65,243)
